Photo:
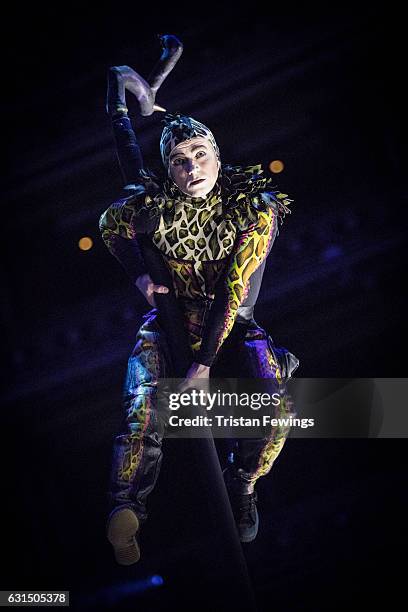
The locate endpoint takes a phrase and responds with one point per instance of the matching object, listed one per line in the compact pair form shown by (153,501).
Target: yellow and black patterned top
(211,246)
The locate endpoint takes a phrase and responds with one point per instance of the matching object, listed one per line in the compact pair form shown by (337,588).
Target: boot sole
(122,529)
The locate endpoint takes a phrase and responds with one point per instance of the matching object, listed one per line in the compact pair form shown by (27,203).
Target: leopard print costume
(228,233)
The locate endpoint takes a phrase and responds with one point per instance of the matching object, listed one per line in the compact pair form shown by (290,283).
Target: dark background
(320,90)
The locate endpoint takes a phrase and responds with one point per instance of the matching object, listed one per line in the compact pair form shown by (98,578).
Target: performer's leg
(252,458)
(127,148)
(137,450)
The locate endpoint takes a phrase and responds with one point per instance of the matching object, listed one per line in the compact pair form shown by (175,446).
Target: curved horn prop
(123,78)
(172,50)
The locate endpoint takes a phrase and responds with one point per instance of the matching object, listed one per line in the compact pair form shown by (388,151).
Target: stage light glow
(117,593)
(276,166)
(85,243)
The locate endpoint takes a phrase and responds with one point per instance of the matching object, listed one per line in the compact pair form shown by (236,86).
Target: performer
(213,226)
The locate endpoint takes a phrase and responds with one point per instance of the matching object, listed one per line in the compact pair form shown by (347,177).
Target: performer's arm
(127,147)
(124,227)
(250,250)
(126,247)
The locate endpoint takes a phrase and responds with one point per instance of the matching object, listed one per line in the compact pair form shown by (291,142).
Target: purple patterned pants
(138,449)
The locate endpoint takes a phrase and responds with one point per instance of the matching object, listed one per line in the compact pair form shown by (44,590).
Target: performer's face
(194,167)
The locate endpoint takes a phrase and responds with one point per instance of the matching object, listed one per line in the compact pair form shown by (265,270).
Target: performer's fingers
(160,289)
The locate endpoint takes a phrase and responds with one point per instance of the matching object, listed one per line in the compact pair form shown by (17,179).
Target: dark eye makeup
(177,161)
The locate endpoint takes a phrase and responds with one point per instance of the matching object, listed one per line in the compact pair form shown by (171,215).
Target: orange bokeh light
(85,243)
(276,166)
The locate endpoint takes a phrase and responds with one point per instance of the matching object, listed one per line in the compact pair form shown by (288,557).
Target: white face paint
(194,167)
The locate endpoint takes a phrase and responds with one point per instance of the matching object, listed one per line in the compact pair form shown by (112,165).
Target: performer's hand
(198,370)
(147,287)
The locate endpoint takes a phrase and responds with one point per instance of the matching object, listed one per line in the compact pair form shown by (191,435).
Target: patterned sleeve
(250,250)
(123,221)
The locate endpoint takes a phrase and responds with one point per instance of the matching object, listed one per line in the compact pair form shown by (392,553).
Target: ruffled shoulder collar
(240,192)
(243,179)
(246,189)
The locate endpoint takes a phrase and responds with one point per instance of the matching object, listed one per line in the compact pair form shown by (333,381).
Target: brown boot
(123,525)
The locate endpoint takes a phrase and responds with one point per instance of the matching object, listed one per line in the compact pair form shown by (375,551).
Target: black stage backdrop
(320,90)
